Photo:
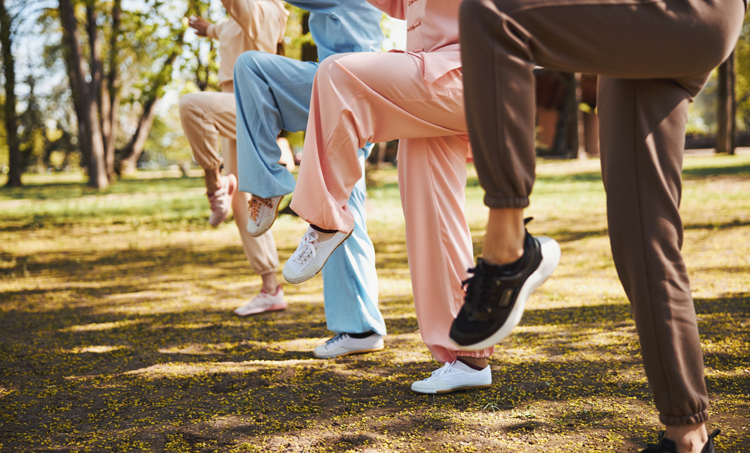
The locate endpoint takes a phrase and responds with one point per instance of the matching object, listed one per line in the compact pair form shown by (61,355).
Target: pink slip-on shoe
(263,302)
(221,200)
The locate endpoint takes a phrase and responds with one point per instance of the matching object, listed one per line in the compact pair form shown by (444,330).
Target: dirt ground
(117,332)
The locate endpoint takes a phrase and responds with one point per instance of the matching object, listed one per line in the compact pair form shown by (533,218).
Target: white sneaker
(449,379)
(263,302)
(263,212)
(342,344)
(221,200)
(311,255)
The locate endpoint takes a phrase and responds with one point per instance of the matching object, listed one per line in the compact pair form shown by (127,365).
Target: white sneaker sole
(358,351)
(275,307)
(450,389)
(550,260)
(311,271)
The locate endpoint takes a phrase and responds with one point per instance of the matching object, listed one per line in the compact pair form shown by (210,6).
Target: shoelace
(476,286)
(255,205)
(445,369)
(306,249)
(334,339)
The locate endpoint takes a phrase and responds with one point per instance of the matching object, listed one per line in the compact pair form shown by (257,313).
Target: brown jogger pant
(207,117)
(653,56)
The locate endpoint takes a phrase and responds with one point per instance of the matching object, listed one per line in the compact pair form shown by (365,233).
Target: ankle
(213,180)
(503,242)
(688,438)
(270,283)
(480,362)
(502,257)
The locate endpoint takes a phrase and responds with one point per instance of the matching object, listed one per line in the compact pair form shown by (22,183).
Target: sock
(323,235)
(467,367)
(362,335)
(321,230)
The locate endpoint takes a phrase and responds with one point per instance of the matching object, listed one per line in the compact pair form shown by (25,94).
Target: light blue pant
(273,93)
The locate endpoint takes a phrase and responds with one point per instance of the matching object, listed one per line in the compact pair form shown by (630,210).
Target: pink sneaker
(221,200)
(263,302)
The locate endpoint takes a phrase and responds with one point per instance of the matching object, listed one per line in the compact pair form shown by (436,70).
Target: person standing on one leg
(209,117)
(416,97)
(653,57)
(273,93)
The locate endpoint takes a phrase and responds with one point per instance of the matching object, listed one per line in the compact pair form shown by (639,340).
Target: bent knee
(335,63)
(252,61)
(190,104)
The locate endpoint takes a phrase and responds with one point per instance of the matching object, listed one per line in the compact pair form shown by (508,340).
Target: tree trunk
(132,152)
(727,118)
(88,114)
(110,98)
(566,137)
(134,149)
(11,123)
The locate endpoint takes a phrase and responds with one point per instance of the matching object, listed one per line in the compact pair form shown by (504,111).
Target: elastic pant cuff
(266,272)
(675,420)
(502,203)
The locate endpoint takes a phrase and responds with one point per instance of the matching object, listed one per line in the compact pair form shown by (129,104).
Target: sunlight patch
(95,327)
(94,349)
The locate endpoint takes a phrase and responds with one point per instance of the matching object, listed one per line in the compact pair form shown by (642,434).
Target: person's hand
(199,24)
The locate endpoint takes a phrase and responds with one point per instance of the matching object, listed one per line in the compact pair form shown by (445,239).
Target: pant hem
(675,420)
(266,272)
(503,203)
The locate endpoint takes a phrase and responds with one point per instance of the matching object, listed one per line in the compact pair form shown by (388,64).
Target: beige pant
(653,56)
(207,117)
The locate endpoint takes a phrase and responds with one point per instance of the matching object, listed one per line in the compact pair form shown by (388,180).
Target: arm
(394,8)
(204,28)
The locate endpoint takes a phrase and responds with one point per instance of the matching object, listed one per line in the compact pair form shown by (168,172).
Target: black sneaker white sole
(550,258)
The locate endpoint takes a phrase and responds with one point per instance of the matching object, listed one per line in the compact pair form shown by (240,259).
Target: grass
(117,333)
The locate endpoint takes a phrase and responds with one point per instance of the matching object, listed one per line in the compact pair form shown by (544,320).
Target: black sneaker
(496,295)
(667,446)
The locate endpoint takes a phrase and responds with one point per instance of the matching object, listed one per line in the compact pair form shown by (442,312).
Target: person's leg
(432,178)
(677,42)
(206,117)
(260,251)
(642,141)
(350,281)
(273,93)
(362,98)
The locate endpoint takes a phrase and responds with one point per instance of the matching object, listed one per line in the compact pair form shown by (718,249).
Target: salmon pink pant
(378,97)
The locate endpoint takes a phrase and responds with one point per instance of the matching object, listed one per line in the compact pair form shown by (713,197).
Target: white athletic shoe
(263,302)
(449,379)
(221,200)
(311,255)
(263,212)
(342,344)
